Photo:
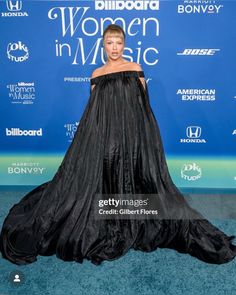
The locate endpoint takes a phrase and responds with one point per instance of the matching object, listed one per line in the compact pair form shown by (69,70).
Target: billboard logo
(126,4)
(22,93)
(20,132)
(71,129)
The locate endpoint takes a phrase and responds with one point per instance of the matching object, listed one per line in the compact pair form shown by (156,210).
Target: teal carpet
(162,272)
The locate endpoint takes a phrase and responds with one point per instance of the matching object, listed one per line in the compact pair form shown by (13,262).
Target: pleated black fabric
(116,149)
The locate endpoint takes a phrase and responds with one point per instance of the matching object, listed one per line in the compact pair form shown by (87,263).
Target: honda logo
(193,131)
(14,5)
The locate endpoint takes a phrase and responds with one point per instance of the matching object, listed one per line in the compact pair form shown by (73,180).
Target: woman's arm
(142,79)
(94,74)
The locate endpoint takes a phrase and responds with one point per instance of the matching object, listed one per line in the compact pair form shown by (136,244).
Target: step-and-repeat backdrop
(187,49)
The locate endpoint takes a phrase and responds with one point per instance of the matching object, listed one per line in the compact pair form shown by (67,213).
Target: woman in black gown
(117,149)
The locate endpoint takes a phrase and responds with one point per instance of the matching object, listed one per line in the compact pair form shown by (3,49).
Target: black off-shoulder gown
(117,149)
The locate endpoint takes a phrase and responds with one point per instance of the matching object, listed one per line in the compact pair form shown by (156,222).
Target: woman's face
(114,47)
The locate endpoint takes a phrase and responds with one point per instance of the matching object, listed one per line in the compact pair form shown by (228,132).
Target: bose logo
(196,51)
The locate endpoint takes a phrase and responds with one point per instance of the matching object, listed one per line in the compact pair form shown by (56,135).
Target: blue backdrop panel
(49,49)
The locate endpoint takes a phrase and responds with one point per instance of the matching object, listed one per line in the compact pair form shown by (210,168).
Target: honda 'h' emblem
(193,131)
(14,5)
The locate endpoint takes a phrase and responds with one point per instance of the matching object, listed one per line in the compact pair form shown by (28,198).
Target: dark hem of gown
(117,149)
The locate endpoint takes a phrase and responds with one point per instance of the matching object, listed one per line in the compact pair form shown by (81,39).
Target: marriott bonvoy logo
(20,132)
(126,4)
(200,6)
(28,168)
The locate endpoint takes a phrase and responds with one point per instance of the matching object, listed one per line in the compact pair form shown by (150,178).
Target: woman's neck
(113,64)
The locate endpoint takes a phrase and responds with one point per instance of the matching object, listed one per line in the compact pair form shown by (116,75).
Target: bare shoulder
(126,66)
(97,72)
(135,66)
(138,67)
